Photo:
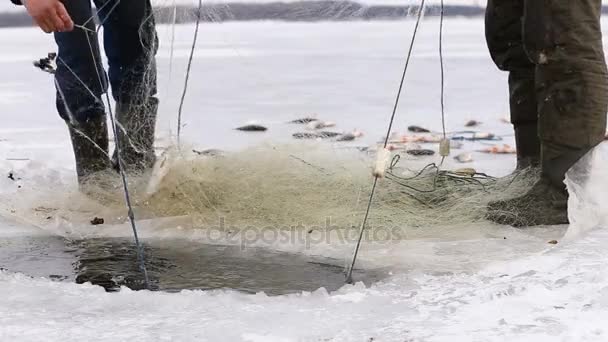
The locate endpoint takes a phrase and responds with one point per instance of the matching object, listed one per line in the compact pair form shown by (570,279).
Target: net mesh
(281,187)
(284,184)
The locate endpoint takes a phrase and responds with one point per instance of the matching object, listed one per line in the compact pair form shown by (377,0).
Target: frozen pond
(470,283)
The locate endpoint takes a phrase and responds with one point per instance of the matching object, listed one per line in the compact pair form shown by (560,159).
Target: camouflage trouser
(558,78)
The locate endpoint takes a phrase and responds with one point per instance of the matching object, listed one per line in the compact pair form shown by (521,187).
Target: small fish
(301,135)
(477,136)
(350,136)
(326,134)
(418,129)
(252,128)
(422,152)
(416,139)
(464,157)
(483,136)
(472,123)
(346,137)
(211,152)
(313,125)
(303,120)
(498,149)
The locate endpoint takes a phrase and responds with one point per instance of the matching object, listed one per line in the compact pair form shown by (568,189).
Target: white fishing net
(275,184)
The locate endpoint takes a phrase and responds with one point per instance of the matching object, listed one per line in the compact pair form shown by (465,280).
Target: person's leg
(79,91)
(563,39)
(505,43)
(130,45)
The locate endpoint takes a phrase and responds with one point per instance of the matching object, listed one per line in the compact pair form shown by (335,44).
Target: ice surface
(491,284)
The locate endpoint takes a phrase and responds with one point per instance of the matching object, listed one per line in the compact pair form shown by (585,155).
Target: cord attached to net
(181,103)
(349,275)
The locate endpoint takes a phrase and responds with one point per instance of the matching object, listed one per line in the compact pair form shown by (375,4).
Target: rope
(181,103)
(349,276)
(441,15)
(442,100)
(172,47)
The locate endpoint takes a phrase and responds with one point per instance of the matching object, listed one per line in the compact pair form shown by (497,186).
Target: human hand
(50,15)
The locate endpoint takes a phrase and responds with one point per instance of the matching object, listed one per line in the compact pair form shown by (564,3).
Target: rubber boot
(524,116)
(136,130)
(90,145)
(528,145)
(544,204)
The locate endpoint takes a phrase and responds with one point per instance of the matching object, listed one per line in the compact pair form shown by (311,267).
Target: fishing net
(278,185)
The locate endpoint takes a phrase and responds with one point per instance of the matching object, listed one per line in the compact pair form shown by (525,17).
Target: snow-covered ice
(466,287)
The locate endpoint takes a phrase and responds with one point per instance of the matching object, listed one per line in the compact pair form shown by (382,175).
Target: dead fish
(472,123)
(252,128)
(416,139)
(464,157)
(422,152)
(302,135)
(483,136)
(303,120)
(498,149)
(418,129)
(326,134)
(350,136)
(211,152)
(313,125)
(346,137)
(478,136)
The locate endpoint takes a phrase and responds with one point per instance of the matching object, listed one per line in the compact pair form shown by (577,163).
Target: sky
(6,5)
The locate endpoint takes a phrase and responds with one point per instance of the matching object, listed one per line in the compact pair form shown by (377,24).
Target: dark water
(174,265)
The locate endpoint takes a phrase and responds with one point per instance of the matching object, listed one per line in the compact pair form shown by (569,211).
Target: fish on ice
(472,123)
(418,129)
(350,136)
(464,157)
(317,124)
(303,120)
(499,149)
(252,128)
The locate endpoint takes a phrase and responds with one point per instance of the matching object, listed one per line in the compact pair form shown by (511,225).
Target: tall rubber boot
(527,143)
(136,131)
(564,40)
(524,116)
(90,145)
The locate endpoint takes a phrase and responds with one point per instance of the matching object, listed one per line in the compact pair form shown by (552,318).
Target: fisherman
(558,94)
(130,43)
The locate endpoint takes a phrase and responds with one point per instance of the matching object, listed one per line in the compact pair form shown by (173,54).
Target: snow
(473,285)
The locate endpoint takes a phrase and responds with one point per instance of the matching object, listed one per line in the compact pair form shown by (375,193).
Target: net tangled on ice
(311,185)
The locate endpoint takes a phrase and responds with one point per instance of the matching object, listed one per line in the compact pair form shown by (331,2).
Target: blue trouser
(130,43)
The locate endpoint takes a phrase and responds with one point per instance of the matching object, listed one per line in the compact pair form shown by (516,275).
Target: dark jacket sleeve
(16,2)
